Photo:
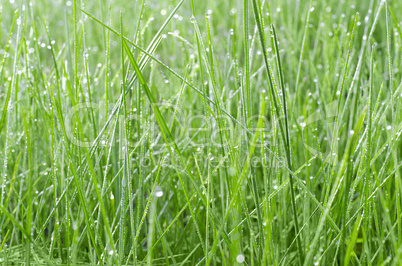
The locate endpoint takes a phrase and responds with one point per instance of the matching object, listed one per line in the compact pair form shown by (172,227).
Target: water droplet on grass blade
(240,258)
(158,192)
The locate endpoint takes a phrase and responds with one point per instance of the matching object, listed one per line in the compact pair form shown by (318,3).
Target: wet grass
(200,132)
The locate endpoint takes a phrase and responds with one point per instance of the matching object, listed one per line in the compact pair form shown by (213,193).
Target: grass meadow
(189,132)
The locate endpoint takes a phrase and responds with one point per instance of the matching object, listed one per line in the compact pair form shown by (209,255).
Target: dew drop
(240,258)
(158,192)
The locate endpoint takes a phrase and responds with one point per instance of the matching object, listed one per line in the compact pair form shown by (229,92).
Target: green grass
(186,132)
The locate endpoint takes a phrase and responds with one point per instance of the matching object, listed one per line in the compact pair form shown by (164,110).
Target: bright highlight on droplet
(158,192)
(240,258)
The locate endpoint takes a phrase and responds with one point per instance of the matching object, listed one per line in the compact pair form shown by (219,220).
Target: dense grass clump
(190,132)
